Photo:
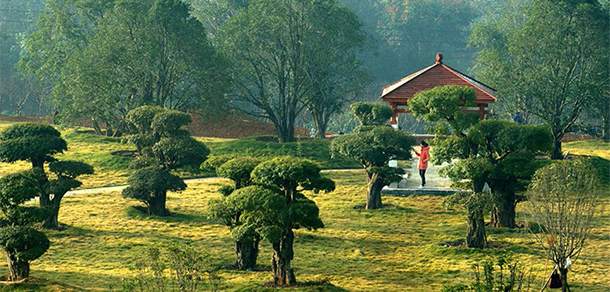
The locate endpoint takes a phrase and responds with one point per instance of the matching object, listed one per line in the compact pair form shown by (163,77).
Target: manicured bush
(22,243)
(290,176)
(374,149)
(37,143)
(164,146)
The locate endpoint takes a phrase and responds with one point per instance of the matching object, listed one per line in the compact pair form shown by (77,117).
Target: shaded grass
(395,249)
(315,149)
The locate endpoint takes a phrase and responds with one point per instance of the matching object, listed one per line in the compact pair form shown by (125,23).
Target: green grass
(111,170)
(588,148)
(314,149)
(394,249)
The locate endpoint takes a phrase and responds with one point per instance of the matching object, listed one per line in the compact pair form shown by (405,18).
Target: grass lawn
(589,148)
(111,170)
(263,146)
(395,249)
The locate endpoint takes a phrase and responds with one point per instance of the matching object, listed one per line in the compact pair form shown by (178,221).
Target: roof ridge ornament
(439,58)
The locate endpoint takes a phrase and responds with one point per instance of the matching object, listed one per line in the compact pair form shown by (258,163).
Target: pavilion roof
(432,76)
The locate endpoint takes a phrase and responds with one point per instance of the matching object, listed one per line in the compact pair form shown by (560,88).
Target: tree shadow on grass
(389,208)
(140,212)
(322,286)
(67,281)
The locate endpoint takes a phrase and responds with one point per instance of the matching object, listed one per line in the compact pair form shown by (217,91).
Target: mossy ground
(395,249)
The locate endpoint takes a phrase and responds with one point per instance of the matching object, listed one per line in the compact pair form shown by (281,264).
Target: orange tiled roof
(435,75)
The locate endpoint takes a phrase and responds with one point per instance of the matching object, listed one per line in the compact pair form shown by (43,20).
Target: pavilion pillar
(394,124)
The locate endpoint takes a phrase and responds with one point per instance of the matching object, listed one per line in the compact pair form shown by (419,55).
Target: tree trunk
(606,129)
(475,235)
(17,269)
(320,123)
(109,130)
(44,199)
(503,213)
(557,153)
(564,280)
(285,134)
(157,204)
(96,127)
(246,253)
(52,222)
(283,275)
(373,195)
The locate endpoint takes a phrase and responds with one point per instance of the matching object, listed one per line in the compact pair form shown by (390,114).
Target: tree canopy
(292,55)
(33,142)
(548,59)
(106,58)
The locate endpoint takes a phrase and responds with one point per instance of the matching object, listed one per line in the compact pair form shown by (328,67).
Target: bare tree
(564,197)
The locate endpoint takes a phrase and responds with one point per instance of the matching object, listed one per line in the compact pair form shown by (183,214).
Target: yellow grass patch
(395,249)
(589,148)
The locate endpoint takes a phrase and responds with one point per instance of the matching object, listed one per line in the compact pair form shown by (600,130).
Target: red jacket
(424,156)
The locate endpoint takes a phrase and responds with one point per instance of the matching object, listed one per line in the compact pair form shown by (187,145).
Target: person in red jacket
(424,156)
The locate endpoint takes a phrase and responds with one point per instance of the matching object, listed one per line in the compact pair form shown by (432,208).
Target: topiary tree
(290,177)
(564,196)
(22,243)
(374,149)
(498,152)
(139,121)
(150,185)
(445,107)
(66,173)
(165,146)
(476,205)
(230,210)
(37,143)
(32,142)
(371,114)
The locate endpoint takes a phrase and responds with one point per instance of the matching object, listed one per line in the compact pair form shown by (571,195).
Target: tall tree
(123,54)
(292,55)
(18,95)
(548,59)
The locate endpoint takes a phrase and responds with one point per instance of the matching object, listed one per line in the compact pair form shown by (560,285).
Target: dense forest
(75,40)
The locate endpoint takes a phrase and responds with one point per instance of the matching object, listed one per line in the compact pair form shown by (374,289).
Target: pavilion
(398,93)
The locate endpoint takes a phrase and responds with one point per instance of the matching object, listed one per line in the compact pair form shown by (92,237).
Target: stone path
(409,185)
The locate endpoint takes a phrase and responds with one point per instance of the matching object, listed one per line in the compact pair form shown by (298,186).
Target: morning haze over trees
(231,132)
